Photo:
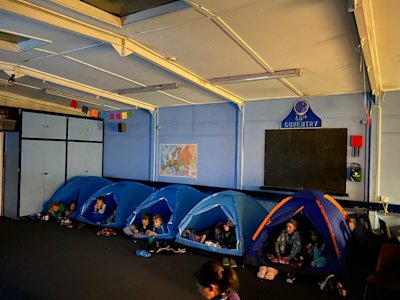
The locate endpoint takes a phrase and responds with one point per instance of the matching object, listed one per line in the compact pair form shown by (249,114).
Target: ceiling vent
(133,11)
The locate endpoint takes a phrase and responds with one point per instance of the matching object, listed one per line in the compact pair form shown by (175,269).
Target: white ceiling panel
(203,48)
(210,39)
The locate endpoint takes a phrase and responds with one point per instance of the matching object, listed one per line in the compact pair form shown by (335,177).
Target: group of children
(62,212)
(148,229)
(222,235)
(288,247)
(213,280)
(289,250)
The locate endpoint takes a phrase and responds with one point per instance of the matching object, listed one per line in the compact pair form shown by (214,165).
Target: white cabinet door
(84,159)
(85,129)
(43,126)
(42,172)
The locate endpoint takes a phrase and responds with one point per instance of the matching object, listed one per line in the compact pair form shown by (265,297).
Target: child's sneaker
(290,278)
(144,253)
(225,262)
(232,263)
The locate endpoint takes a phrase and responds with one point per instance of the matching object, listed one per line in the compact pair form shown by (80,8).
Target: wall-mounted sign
(301,116)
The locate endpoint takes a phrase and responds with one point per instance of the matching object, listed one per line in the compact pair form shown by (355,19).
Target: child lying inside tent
(56,211)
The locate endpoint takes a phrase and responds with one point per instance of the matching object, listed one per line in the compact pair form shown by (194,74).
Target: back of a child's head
(212,272)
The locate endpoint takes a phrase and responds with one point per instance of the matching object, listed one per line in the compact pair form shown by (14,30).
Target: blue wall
(217,131)
(214,129)
(128,154)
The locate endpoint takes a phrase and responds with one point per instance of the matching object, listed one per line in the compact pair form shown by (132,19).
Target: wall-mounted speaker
(121,127)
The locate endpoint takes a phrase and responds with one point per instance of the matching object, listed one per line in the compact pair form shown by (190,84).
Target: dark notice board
(297,159)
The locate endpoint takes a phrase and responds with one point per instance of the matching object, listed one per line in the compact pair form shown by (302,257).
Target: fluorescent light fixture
(255,77)
(77,98)
(150,88)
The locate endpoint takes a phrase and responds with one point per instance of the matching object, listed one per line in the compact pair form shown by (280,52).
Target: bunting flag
(85,109)
(118,115)
(124,115)
(130,114)
(74,103)
(111,116)
(94,113)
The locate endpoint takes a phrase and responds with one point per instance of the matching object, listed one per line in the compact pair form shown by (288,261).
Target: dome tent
(318,212)
(79,189)
(172,202)
(121,197)
(244,211)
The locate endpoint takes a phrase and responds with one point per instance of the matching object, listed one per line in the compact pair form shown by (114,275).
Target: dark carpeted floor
(42,260)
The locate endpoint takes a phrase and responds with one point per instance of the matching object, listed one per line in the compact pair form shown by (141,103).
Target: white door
(42,171)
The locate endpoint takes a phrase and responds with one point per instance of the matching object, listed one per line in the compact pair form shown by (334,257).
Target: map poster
(178,160)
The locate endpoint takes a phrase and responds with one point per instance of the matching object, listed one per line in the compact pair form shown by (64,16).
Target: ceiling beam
(19,101)
(40,14)
(22,70)
(366,31)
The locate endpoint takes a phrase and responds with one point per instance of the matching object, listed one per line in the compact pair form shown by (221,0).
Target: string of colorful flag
(102,115)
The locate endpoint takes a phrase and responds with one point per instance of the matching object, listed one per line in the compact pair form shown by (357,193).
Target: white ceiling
(209,39)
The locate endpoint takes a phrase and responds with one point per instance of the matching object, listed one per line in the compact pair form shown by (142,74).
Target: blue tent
(244,211)
(120,198)
(172,202)
(79,189)
(315,211)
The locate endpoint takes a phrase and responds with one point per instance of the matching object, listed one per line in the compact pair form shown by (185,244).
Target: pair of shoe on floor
(143,253)
(268,273)
(229,262)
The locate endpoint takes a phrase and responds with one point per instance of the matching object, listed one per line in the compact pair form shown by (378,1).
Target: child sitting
(288,244)
(315,250)
(228,240)
(100,206)
(158,227)
(139,231)
(228,235)
(212,236)
(288,247)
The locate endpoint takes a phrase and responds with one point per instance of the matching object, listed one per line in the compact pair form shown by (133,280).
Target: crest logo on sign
(301,116)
